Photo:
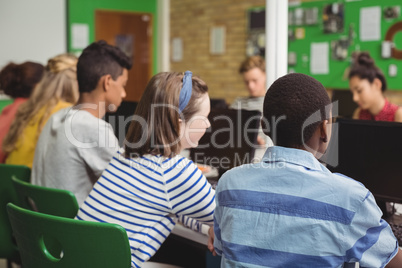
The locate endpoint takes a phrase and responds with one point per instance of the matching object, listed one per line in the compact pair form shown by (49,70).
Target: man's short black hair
(97,60)
(289,103)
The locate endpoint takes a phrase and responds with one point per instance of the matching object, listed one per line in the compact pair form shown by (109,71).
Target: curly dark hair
(289,104)
(18,80)
(97,60)
(363,66)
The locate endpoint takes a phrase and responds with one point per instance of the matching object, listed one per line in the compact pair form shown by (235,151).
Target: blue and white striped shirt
(291,211)
(146,195)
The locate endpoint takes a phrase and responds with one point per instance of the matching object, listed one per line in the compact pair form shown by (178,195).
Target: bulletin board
(320,46)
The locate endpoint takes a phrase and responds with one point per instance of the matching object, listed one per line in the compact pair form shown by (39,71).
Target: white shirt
(73,150)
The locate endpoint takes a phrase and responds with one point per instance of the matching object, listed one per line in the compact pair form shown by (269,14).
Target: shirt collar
(294,156)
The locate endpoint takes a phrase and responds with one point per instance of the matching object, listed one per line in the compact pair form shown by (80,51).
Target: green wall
(83,11)
(314,33)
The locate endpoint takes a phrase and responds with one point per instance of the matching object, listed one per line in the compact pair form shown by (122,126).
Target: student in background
(291,211)
(253,73)
(76,144)
(148,184)
(367,83)
(57,90)
(17,81)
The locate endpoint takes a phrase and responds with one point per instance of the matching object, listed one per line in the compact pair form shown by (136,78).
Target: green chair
(84,243)
(8,248)
(46,200)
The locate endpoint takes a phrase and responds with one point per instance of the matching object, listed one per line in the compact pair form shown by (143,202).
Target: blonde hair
(59,83)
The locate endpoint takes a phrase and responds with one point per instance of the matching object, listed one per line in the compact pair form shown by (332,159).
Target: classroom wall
(83,12)
(32,30)
(191,21)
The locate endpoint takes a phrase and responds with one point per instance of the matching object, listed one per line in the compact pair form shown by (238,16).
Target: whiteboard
(32,30)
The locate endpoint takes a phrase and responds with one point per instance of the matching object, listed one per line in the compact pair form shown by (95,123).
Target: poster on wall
(177,49)
(319,61)
(370,23)
(79,35)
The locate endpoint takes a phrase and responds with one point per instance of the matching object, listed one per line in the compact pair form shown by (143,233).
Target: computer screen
(346,105)
(120,120)
(369,152)
(230,141)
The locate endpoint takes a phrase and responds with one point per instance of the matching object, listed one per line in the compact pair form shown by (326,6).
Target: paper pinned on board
(370,23)
(319,58)
(79,35)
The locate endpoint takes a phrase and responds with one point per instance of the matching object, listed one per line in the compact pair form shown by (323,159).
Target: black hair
(289,103)
(18,80)
(97,60)
(364,67)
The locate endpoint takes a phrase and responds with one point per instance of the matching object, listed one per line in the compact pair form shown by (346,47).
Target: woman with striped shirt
(148,185)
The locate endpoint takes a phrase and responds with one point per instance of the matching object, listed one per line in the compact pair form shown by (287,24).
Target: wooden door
(132,32)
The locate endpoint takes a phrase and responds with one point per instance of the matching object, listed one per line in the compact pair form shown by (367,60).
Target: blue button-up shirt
(291,211)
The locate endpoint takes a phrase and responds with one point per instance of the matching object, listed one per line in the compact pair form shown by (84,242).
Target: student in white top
(76,145)
(148,185)
(252,70)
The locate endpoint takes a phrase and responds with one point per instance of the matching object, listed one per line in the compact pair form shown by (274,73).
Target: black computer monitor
(120,120)
(230,141)
(218,103)
(370,152)
(346,105)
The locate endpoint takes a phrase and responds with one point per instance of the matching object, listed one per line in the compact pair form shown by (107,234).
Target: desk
(189,234)
(186,248)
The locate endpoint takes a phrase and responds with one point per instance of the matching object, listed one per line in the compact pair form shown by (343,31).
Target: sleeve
(194,224)
(104,146)
(190,193)
(372,242)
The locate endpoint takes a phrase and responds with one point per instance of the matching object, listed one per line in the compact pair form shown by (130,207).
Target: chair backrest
(83,243)
(8,249)
(46,200)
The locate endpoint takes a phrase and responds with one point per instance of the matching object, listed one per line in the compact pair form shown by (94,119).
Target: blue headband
(185,92)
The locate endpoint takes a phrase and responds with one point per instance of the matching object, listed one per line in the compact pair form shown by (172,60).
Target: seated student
(76,145)
(253,73)
(57,90)
(148,184)
(368,84)
(290,210)
(17,81)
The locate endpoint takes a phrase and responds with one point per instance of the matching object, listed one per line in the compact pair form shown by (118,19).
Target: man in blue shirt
(291,211)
